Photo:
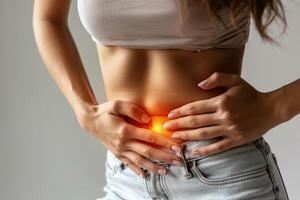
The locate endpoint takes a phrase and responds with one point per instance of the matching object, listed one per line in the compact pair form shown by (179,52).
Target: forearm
(61,57)
(285,101)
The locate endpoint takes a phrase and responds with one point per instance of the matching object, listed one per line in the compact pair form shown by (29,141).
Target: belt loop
(184,169)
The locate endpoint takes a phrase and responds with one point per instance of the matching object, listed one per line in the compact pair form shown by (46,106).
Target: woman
(185,140)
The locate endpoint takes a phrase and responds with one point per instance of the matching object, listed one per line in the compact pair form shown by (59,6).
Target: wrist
(85,113)
(276,107)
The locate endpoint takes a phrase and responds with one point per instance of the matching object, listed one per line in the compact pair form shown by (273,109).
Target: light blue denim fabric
(249,171)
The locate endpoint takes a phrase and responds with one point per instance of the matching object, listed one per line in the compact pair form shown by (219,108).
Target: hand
(239,115)
(129,143)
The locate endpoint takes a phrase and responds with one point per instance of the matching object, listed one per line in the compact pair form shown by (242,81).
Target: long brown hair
(263,12)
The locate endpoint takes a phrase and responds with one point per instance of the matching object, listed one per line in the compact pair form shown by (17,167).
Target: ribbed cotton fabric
(155,24)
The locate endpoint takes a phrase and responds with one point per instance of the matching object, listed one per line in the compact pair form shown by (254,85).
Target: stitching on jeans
(233,179)
(163,193)
(147,186)
(203,157)
(165,185)
(285,190)
(113,163)
(165,188)
(263,152)
(111,170)
(147,189)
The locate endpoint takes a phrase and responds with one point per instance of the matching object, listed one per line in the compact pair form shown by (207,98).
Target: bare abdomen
(160,80)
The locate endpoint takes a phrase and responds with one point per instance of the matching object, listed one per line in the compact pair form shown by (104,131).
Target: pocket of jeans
(275,159)
(112,163)
(279,171)
(238,164)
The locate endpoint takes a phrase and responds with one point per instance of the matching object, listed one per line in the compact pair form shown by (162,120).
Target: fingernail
(175,148)
(175,135)
(171,114)
(141,175)
(195,152)
(162,171)
(145,118)
(177,162)
(167,125)
(203,83)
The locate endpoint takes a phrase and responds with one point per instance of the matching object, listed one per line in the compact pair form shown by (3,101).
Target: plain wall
(45,155)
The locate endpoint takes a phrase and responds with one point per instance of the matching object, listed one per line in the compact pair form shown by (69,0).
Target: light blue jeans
(249,171)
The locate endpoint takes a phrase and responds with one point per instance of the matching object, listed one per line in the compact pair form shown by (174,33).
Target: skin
(222,116)
(143,83)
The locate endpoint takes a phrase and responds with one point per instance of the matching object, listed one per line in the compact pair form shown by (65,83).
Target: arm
(284,102)
(62,60)
(60,54)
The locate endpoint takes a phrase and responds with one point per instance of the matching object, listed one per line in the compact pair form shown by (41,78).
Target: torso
(149,57)
(159,80)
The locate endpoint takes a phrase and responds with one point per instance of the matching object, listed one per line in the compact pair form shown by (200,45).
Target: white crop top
(154,24)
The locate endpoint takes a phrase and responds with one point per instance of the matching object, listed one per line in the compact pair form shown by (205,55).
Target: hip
(249,171)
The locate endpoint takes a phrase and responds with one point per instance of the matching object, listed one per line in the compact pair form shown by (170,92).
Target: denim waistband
(188,146)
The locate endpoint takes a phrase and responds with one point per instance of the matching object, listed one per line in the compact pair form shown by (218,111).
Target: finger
(149,136)
(130,110)
(152,153)
(197,107)
(200,133)
(192,121)
(220,79)
(144,163)
(221,145)
(139,171)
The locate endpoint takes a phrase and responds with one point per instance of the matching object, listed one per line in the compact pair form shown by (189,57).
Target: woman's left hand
(240,115)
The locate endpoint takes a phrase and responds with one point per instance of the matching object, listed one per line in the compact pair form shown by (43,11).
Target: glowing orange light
(157,125)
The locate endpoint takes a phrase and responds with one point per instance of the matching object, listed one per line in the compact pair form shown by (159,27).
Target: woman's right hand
(129,143)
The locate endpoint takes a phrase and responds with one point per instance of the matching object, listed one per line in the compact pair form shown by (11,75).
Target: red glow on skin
(157,125)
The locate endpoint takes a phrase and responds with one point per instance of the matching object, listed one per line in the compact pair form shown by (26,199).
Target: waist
(156,126)
(161,80)
(160,103)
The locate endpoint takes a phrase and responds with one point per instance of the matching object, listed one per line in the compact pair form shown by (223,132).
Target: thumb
(130,111)
(220,79)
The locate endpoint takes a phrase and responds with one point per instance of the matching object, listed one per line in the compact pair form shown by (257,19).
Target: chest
(119,19)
